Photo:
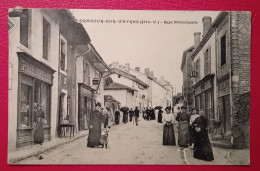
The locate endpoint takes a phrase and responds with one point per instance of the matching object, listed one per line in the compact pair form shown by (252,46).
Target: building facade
(45,49)
(221,69)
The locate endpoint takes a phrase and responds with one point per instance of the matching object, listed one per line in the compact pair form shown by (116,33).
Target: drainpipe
(230,71)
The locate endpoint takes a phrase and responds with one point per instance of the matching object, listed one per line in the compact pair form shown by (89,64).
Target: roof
(75,31)
(99,57)
(184,56)
(127,75)
(117,86)
(215,23)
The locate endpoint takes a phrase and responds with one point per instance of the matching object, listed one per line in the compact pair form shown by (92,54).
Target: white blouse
(168,118)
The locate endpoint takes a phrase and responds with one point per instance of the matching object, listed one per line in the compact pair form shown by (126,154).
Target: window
(63,54)
(46,38)
(207,61)
(223,50)
(25,28)
(25,106)
(97,74)
(197,69)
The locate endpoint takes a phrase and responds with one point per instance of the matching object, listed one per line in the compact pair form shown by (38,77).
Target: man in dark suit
(136,115)
(131,113)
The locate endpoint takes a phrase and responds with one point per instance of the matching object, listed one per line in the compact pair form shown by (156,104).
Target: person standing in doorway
(183,131)
(38,133)
(95,127)
(136,115)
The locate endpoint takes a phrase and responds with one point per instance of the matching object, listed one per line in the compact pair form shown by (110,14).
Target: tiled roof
(117,86)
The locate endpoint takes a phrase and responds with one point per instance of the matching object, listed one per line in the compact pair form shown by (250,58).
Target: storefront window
(25,108)
(42,99)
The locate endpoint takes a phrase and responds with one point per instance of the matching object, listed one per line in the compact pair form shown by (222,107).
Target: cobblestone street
(128,144)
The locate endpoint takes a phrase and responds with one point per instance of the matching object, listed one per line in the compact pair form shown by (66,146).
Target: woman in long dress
(183,131)
(38,133)
(95,127)
(160,115)
(202,146)
(168,131)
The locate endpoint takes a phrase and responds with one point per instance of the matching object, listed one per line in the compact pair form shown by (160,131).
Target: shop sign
(36,72)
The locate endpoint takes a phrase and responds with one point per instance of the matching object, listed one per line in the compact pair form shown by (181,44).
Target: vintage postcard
(129,87)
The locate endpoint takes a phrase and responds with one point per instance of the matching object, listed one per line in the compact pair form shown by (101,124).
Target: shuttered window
(223,50)
(207,61)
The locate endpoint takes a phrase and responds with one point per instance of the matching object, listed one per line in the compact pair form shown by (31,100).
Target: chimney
(127,67)
(206,24)
(196,39)
(137,69)
(146,71)
(151,74)
(162,78)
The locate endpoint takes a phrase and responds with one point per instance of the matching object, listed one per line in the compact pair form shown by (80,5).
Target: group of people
(192,131)
(148,113)
(102,119)
(98,124)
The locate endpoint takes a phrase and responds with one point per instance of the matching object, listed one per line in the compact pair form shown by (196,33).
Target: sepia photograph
(128,87)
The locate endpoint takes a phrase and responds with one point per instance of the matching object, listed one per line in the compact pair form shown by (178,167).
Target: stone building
(45,49)
(221,69)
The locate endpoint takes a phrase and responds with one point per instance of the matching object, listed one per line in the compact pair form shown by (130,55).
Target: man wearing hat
(95,127)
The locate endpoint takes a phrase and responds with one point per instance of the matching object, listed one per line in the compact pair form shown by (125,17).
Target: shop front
(224,106)
(34,98)
(85,106)
(204,96)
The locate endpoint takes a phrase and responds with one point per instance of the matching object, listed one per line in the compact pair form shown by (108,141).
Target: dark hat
(98,104)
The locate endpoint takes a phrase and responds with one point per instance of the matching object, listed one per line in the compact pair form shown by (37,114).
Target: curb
(16,159)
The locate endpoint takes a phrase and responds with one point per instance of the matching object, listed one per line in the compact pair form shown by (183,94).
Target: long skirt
(116,120)
(183,134)
(168,135)
(202,146)
(159,117)
(125,118)
(38,135)
(94,135)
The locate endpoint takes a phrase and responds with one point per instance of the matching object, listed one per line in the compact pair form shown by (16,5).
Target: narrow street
(129,144)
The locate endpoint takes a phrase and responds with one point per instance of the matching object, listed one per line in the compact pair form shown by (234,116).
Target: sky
(157,45)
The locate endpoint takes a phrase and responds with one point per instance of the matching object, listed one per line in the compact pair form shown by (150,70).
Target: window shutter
(206,62)
(209,60)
